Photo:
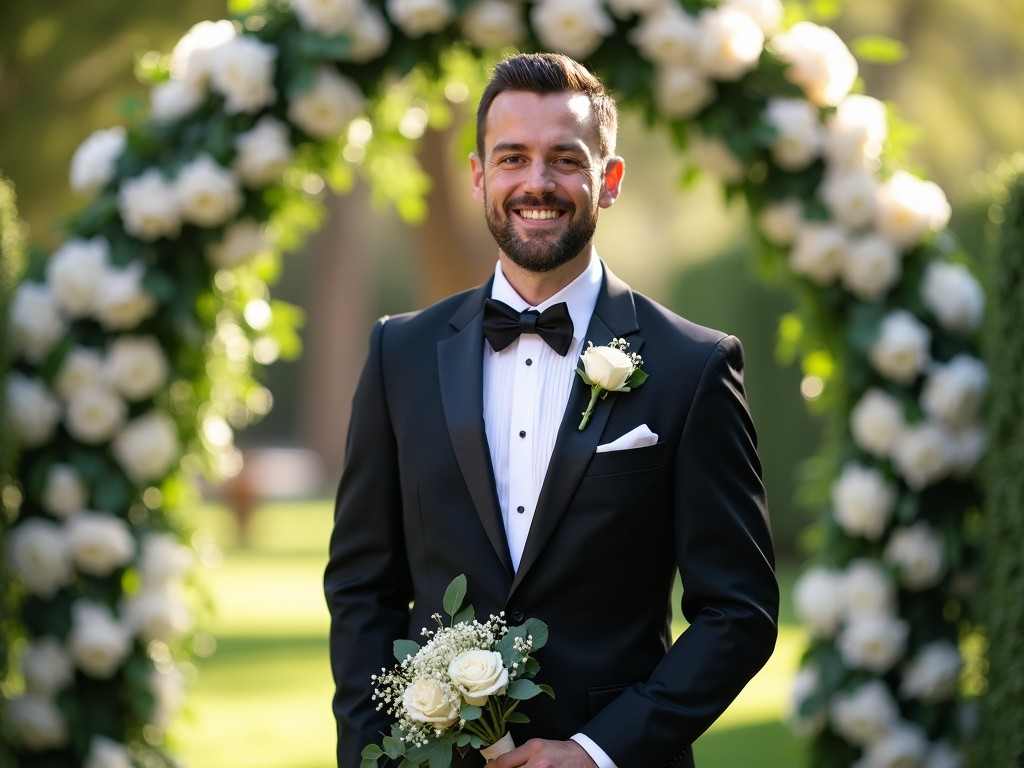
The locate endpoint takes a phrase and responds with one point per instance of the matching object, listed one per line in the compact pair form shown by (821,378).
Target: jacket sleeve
(366,583)
(725,558)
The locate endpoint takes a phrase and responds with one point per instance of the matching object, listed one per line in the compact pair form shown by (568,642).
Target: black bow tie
(503,325)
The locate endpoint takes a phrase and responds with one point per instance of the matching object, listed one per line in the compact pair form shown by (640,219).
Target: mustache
(544,201)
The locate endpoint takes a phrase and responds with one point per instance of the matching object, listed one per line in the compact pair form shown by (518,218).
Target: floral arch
(136,342)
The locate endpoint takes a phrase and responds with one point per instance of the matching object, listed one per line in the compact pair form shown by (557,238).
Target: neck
(537,287)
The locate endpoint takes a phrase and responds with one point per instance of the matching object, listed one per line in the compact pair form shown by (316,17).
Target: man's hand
(541,753)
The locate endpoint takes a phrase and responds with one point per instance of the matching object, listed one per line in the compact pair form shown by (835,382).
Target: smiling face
(542,179)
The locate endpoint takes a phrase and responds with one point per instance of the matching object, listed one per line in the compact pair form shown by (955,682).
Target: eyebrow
(509,146)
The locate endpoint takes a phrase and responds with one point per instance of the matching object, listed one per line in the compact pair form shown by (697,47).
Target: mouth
(539,209)
(538,214)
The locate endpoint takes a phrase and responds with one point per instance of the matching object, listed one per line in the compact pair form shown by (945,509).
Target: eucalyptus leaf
(405,648)
(464,616)
(470,712)
(516,717)
(442,756)
(394,748)
(522,689)
(454,595)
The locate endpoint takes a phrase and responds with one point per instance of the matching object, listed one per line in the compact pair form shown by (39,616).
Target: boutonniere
(609,369)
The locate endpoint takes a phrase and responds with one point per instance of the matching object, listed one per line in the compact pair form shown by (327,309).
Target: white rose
(799,137)
(953,393)
(107,753)
(98,642)
(32,412)
(208,194)
(856,133)
(877,422)
(819,252)
(479,674)
(147,447)
(767,14)
(263,152)
(136,366)
(968,446)
(942,755)
(327,17)
(850,196)
(682,91)
(954,296)
(38,555)
(713,155)
(874,643)
(923,454)
(174,99)
(668,36)
(868,589)
(369,36)
(242,242)
(871,268)
(157,613)
(494,23)
(99,543)
(729,42)
(420,17)
(607,367)
(149,207)
(780,220)
(73,273)
(163,559)
(168,690)
(901,350)
(818,600)
(909,207)
(94,414)
(806,683)
(573,27)
(864,715)
(904,746)
(94,162)
(82,367)
(47,667)
(36,322)
(121,301)
(425,701)
(65,493)
(192,57)
(242,70)
(932,675)
(819,62)
(916,551)
(36,722)
(863,502)
(328,106)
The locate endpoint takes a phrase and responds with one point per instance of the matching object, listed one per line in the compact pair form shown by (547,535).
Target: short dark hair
(544,73)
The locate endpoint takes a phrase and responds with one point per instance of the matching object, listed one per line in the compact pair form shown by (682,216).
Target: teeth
(533,214)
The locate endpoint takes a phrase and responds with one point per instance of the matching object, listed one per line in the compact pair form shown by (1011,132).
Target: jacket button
(517,615)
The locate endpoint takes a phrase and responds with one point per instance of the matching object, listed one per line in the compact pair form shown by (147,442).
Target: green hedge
(1001,741)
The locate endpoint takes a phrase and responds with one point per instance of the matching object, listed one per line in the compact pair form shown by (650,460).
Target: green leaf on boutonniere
(405,648)
(636,378)
(454,595)
(522,689)
(470,712)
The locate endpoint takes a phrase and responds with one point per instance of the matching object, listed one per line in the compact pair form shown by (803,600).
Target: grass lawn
(262,700)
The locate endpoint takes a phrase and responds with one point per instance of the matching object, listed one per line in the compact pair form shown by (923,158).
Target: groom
(465,456)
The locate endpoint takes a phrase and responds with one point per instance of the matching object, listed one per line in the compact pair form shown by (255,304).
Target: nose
(539,180)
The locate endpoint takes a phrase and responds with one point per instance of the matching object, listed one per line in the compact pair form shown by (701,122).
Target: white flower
(713,155)
(82,367)
(419,17)
(327,17)
(47,668)
(819,62)
(780,220)
(168,690)
(99,542)
(494,23)
(819,252)
(923,454)
(36,322)
(867,589)
(136,366)
(242,70)
(94,414)
(856,133)
(806,683)
(479,674)
(174,99)
(208,193)
(157,613)
(426,701)
(94,162)
(873,642)
(798,132)
(682,91)
(871,268)
(163,559)
(901,350)
(149,207)
(263,152)
(916,551)
(607,367)
(243,241)
(767,14)
(668,36)
(192,57)
(36,722)
(865,714)
(369,36)
(74,271)
(729,42)
(121,301)
(967,447)
(65,492)
(850,196)
(953,392)
(38,555)
(328,106)
(147,447)
(909,207)
(954,296)
(107,753)
(818,600)
(932,675)
(904,746)
(862,501)
(877,422)
(573,27)
(32,412)
(98,642)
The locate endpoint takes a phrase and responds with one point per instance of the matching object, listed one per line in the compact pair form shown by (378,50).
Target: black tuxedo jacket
(417,506)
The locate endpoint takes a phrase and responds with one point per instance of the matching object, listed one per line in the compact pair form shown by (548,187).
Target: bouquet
(460,690)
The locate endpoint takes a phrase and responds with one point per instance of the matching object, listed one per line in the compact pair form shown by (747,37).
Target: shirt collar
(580,295)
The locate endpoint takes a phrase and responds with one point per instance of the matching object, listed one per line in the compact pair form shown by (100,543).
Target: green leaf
(405,648)
(470,712)
(464,616)
(454,595)
(547,689)
(523,689)
(516,717)
(537,630)
(442,756)
(879,49)
(636,378)
(372,751)
(394,748)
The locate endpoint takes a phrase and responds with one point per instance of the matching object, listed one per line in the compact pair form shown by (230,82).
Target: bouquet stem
(502,746)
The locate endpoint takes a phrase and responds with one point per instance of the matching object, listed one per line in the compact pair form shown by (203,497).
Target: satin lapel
(614,317)
(460,368)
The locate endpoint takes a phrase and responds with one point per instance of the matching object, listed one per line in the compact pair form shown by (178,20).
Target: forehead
(537,120)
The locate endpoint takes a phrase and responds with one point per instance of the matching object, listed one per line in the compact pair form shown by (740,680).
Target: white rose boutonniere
(609,369)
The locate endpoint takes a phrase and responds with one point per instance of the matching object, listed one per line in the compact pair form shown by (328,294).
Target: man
(465,456)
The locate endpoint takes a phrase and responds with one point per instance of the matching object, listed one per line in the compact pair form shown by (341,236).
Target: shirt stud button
(520,509)
(522,433)
(529,361)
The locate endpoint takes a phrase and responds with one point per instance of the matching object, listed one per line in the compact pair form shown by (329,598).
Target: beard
(537,253)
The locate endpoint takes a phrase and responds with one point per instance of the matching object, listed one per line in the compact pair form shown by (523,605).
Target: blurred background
(262,693)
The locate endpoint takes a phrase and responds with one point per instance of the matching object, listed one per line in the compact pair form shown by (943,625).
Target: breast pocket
(629,460)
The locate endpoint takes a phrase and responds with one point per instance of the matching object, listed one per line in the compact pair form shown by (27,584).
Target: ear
(476,170)
(611,185)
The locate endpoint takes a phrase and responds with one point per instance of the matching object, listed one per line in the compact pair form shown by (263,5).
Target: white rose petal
(682,91)
(98,642)
(192,57)
(136,366)
(968,446)
(877,422)
(149,207)
(819,62)
(868,590)
(954,296)
(932,675)
(38,555)
(902,349)
(174,99)
(36,722)
(573,27)
(328,106)
(909,207)
(94,414)
(953,392)
(99,543)
(917,553)
(147,447)
(65,493)
(326,17)
(47,667)
(667,36)
(855,134)
(163,559)
(263,152)
(851,197)
(32,412)
(107,753)
(420,17)
(780,220)
(122,302)
(242,70)
(73,273)
(713,155)
(863,502)
(818,600)
(82,367)
(479,674)
(865,714)
(924,454)
(369,36)
(157,614)
(729,42)
(799,136)
(94,162)
(242,242)
(492,24)
(208,194)
(874,643)
(872,266)
(767,14)
(36,321)
(607,367)
(425,701)
(819,252)
(904,746)
(168,689)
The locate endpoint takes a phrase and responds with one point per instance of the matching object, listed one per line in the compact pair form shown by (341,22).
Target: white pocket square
(638,437)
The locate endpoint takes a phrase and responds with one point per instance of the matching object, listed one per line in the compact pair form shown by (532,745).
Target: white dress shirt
(526,389)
